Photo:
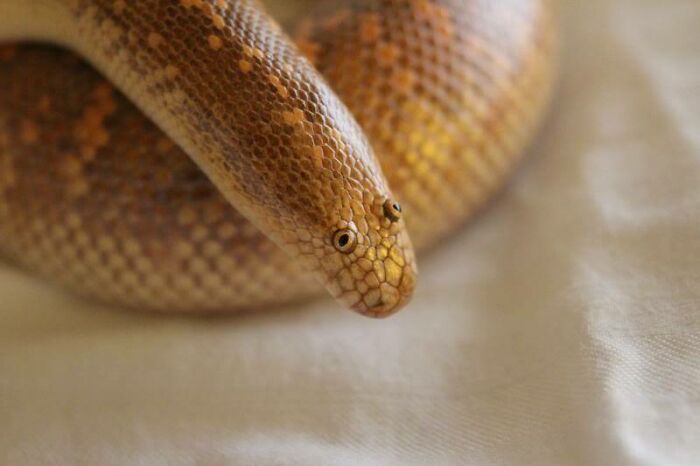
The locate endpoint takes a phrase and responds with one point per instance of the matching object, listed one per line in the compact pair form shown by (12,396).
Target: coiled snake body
(268,174)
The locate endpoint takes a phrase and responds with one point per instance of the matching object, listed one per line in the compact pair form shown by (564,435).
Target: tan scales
(261,168)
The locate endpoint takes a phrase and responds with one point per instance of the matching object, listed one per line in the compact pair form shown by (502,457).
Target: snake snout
(390,299)
(382,299)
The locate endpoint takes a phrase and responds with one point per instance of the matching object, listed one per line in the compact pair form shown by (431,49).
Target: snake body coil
(268,170)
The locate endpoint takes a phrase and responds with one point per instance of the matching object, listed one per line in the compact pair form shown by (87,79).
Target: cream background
(562,327)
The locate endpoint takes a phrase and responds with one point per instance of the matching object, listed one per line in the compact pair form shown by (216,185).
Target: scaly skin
(93,195)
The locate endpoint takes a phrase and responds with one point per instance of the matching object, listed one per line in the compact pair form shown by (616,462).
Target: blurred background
(561,327)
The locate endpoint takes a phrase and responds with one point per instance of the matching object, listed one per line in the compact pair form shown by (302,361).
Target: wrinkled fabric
(562,326)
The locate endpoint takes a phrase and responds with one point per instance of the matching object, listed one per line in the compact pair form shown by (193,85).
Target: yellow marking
(393,272)
(215,42)
(294,117)
(206,9)
(218,21)
(278,85)
(253,52)
(245,65)
(396,256)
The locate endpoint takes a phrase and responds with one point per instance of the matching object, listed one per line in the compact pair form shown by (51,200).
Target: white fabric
(561,327)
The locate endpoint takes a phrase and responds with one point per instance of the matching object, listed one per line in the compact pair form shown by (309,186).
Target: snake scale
(257,167)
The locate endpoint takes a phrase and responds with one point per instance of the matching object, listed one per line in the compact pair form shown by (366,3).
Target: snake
(196,156)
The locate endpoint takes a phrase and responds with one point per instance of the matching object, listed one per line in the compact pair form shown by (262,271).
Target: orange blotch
(215,42)
(278,85)
(218,21)
(244,65)
(253,52)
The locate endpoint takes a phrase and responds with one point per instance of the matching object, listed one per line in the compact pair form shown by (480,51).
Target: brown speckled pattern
(94,196)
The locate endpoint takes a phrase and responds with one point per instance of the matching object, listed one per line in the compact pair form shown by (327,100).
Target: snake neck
(226,84)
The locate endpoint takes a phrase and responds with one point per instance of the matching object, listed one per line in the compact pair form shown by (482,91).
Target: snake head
(342,223)
(370,265)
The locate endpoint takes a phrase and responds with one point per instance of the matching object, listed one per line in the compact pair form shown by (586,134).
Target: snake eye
(345,240)
(392,210)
